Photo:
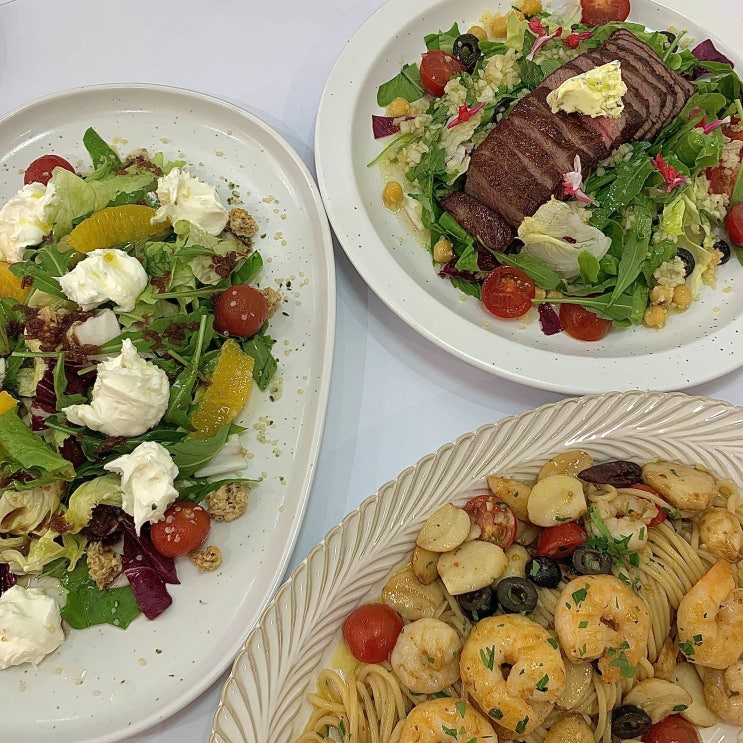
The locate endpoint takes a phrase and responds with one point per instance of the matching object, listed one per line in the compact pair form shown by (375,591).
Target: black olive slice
(724,248)
(620,474)
(467,50)
(589,561)
(516,595)
(628,721)
(477,605)
(544,572)
(688,259)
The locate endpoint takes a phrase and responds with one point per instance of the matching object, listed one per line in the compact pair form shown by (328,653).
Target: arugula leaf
(249,269)
(589,267)
(191,455)
(540,274)
(406,84)
(625,310)
(10,318)
(470,288)
(195,489)
(260,347)
(46,264)
(636,243)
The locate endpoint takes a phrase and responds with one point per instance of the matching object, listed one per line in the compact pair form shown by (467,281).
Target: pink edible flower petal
(712,125)
(670,175)
(572,183)
(537,27)
(572,40)
(464,114)
(540,41)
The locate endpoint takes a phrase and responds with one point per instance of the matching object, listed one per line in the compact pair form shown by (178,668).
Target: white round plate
(265,697)
(104,683)
(694,347)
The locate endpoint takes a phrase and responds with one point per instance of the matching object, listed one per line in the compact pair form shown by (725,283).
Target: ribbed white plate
(264,698)
(694,347)
(104,683)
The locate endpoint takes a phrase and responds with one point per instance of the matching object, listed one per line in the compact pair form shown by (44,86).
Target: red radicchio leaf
(707,52)
(450,270)
(383,126)
(139,550)
(7,579)
(149,590)
(548,319)
(45,400)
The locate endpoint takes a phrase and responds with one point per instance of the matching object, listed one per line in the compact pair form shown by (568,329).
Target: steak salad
(584,165)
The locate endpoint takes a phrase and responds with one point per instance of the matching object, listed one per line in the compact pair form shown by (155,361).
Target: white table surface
(395,397)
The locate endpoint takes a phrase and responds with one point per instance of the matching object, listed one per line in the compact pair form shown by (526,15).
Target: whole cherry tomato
(582,324)
(734,223)
(371,631)
(182,530)
(672,729)
(598,12)
(240,310)
(40,170)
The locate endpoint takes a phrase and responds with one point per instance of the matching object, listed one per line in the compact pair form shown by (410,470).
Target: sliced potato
(472,566)
(666,663)
(424,565)
(567,463)
(511,492)
(685,487)
(410,598)
(721,533)
(555,499)
(516,559)
(445,529)
(570,727)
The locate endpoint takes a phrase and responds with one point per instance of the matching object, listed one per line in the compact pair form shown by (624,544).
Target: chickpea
(499,26)
(398,107)
(682,297)
(655,316)
(442,250)
(531,7)
(478,31)
(392,196)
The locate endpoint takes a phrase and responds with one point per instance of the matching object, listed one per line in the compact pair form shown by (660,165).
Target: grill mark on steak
(481,222)
(520,164)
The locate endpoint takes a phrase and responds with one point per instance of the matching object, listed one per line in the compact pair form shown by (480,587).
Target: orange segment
(115,225)
(7,402)
(228,392)
(10,284)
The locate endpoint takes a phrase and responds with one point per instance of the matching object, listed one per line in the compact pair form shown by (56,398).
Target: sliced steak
(482,223)
(521,162)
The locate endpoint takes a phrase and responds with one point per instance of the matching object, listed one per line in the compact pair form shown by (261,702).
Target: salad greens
(650,199)
(56,469)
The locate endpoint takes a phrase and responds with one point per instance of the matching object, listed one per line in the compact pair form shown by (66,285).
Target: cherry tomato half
(182,530)
(582,324)
(734,223)
(507,292)
(672,729)
(241,310)
(561,540)
(371,631)
(496,520)
(597,12)
(661,515)
(436,69)
(40,170)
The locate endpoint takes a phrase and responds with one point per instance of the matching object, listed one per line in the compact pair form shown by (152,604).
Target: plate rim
(312,442)
(664,370)
(295,591)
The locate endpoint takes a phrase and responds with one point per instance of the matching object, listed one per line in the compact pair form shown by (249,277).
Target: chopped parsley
(487,655)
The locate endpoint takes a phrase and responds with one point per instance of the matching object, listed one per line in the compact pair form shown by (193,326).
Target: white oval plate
(264,698)
(694,347)
(104,683)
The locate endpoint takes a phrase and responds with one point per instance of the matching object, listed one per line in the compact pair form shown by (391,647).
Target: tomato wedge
(598,12)
(507,292)
(561,540)
(496,520)
(582,324)
(436,69)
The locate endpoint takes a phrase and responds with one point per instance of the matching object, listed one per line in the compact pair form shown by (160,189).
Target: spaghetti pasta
(634,613)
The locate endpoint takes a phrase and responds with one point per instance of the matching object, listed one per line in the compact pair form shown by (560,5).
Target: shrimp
(710,619)
(627,518)
(426,656)
(599,617)
(446,720)
(521,699)
(723,692)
